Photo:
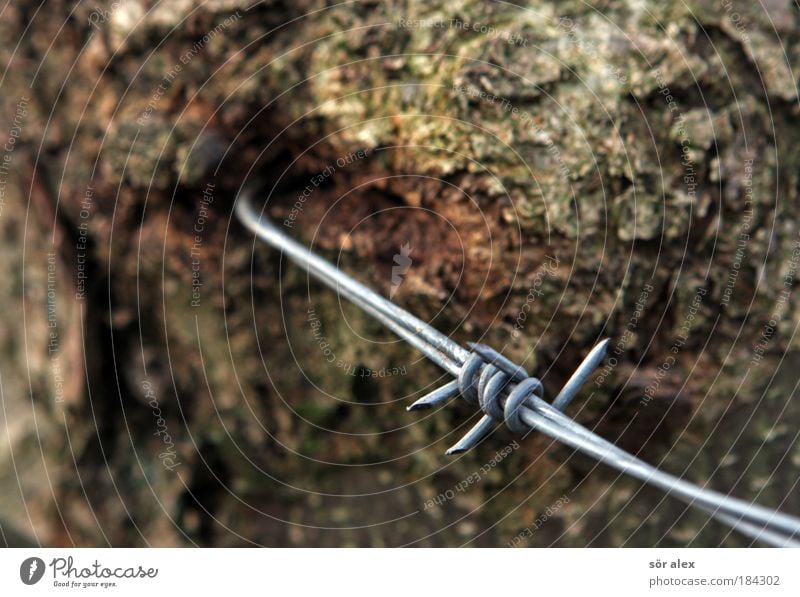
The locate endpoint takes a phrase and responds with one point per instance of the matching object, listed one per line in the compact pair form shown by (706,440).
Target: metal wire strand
(507,394)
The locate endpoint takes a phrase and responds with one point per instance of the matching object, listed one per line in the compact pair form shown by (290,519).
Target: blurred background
(535,176)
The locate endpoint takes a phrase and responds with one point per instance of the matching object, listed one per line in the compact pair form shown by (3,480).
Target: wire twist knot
(485,376)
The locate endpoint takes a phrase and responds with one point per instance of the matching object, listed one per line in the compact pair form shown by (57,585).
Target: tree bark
(555,174)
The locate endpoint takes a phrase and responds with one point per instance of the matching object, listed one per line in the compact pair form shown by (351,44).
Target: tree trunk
(532,178)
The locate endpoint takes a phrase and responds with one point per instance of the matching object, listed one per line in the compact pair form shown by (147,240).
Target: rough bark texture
(621,168)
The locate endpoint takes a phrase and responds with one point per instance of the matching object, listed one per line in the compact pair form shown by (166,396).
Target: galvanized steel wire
(506,393)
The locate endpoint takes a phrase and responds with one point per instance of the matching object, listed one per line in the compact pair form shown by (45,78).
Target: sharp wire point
(438,396)
(505,392)
(474,436)
(581,375)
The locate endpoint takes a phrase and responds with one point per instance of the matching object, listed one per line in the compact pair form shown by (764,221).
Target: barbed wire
(506,393)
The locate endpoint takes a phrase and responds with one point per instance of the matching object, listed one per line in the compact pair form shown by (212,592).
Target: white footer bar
(353,572)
